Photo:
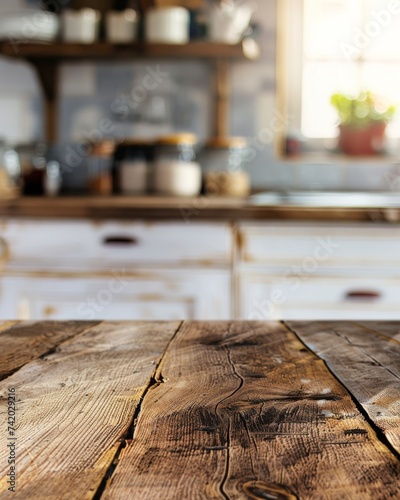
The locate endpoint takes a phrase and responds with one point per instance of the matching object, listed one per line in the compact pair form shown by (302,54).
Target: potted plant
(363,121)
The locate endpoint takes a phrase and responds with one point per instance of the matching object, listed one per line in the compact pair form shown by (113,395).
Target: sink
(332,199)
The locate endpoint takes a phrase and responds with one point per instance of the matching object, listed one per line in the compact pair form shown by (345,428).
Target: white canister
(167,25)
(122,26)
(81,26)
(175,171)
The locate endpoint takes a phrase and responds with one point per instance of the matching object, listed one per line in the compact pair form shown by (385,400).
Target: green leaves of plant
(363,110)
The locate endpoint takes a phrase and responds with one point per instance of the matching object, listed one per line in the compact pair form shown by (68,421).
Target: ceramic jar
(176,171)
(167,25)
(122,26)
(81,26)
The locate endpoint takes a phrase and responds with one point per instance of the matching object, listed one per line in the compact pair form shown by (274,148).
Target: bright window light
(348,46)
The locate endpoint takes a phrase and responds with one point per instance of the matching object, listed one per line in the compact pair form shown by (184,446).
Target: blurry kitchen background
(343,265)
(92,91)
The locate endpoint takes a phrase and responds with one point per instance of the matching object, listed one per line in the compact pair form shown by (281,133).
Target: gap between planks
(372,326)
(378,431)
(25,353)
(155,379)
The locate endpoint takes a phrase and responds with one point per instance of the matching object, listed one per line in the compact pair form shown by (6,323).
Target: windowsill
(337,158)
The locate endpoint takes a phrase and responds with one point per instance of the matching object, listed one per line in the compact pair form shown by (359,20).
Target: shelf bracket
(222,104)
(47,72)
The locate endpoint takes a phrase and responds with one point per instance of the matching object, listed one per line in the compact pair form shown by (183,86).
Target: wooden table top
(199,410)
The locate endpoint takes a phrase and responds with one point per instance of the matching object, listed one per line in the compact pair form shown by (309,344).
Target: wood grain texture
(201,208)
(24,342)
(77,404)
(387,329)
(244,411)
(75,51)
(367,361)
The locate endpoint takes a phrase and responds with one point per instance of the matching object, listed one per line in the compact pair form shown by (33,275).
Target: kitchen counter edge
(183,209)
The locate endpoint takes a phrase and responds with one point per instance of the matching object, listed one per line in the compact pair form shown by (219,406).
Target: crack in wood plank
(241,381)
(126,440)
(227,461)
(40,341)
(228,439)
(375,361)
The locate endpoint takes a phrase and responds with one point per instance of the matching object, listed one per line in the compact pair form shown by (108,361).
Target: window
(330,46)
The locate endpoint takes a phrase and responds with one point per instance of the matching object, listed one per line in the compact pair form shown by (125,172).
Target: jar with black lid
(132,163)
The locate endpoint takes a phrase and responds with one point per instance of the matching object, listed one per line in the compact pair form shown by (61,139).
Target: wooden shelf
(74,51)
(46,57)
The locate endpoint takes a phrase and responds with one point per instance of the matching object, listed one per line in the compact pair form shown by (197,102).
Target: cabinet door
(333,245)
(83,246)
(268,297)
(148,295)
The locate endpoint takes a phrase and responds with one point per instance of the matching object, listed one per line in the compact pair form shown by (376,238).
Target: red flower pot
(362,141)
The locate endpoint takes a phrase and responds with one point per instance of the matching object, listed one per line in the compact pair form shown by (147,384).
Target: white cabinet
(86,245)
(312,271)
(338,246)
(267,297)
(170,270)
(115,270)
(147,295)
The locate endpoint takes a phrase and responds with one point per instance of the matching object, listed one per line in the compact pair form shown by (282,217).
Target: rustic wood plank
(24,342)
(76,404)
(244,410)
(388,328)
(366,362)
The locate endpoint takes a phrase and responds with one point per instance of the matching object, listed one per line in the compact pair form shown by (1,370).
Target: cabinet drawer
(319,298)
(150,294)
(285,244)
(91,245)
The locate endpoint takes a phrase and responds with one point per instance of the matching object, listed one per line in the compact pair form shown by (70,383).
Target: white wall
(20,95)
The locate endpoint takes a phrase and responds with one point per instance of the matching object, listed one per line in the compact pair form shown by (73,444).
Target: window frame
(290,66)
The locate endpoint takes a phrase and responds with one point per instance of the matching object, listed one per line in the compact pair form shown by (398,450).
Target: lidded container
(176,171)
(122,26)
(222,163)
(167,25)
(32,163)
(81,26)
(132,165)
(100,167)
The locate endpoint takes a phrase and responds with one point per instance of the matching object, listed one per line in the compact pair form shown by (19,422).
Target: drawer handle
(120,241)
(363,295)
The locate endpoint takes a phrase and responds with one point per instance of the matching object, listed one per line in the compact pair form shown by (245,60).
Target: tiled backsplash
(91,92)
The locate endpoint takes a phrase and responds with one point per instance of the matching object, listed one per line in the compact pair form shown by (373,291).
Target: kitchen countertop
(192,209)
(172,410)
